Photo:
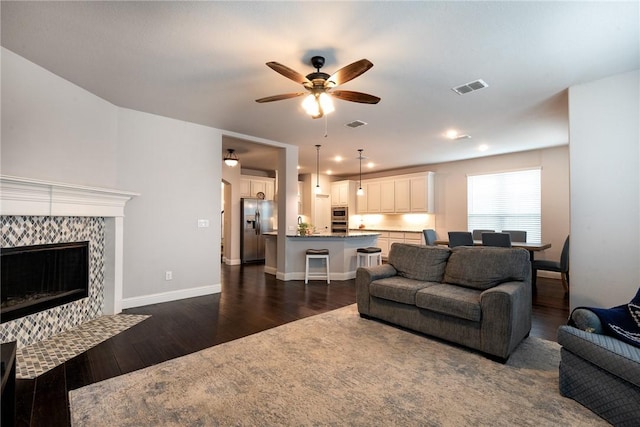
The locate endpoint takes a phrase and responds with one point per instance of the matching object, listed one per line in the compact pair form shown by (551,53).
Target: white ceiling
(204,62)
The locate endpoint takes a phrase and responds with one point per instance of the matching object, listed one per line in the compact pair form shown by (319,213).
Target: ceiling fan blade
(280,97)
(348,95)
(349,72)
(288,72)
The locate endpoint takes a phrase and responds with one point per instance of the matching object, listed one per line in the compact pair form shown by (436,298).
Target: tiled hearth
(38,358)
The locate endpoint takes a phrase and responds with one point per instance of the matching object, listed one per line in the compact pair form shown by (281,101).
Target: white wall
(175,166)
(53,129)
(605,191)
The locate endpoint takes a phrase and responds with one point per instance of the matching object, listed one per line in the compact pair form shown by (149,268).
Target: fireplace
(39,277)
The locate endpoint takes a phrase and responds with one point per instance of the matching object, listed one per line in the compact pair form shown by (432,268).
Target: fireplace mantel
(26,196)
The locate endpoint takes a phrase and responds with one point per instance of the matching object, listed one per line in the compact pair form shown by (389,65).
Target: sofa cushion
(484,267)
(451,300)
(398,289)
(426,263)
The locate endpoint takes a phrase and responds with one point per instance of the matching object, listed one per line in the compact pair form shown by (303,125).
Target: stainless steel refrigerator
(257,217)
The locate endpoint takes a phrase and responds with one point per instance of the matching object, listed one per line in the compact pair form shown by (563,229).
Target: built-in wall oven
(339,219)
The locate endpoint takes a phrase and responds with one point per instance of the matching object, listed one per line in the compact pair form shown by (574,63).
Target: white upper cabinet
(342,193)
(372,191)
(387,196)
(402,195)
(398,194)
(250,186)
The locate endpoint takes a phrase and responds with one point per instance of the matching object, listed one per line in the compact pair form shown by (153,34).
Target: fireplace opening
(39,277)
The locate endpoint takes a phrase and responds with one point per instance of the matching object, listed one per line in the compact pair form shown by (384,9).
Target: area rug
(337,369)
(36,359)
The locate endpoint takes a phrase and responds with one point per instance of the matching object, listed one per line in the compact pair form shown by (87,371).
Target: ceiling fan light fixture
(318,104)
(231,158)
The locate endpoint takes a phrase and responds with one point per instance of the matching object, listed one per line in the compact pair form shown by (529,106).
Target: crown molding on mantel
(26,196)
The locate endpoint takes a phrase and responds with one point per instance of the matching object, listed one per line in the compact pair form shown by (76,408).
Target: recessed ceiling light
(451,133)
(483,147)
(338,158)
(370,165)
(329,172)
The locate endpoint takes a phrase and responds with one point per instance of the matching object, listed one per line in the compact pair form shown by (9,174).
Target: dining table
(531,247)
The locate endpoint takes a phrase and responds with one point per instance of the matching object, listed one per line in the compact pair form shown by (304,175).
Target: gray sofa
(601,373)
(479,297)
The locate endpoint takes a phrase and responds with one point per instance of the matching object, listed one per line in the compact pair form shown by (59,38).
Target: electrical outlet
(168,275)
(203,223)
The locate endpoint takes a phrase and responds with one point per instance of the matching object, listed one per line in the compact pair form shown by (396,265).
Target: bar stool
(369,254)
(317,254)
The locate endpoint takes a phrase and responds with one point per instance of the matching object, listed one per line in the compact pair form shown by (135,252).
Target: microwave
(339,213)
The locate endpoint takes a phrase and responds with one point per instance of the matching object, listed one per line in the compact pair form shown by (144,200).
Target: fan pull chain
(326,126)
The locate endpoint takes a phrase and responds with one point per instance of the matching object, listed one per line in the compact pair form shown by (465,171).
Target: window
(505,201)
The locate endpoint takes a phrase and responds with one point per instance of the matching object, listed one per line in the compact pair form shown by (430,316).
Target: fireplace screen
(39,277)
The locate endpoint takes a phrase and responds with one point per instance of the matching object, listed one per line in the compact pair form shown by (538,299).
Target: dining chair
(561,267)
(477,234)
(502,240)
(517,235)
(429,237)
(460,238)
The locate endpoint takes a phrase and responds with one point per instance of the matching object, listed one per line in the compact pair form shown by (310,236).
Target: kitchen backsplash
(393,222)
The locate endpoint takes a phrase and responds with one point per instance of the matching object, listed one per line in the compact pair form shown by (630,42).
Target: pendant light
(231,158)
(317,169)
(360,191)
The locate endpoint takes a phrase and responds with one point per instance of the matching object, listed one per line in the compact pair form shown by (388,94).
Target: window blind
(505,201)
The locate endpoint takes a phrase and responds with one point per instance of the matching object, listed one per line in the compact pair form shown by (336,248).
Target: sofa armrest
(364,277)
(506,317)
(604,351)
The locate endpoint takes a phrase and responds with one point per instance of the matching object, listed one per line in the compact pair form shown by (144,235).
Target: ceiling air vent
(355,124)
(470,87)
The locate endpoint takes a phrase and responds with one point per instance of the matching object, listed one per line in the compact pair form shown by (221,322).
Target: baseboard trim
(170,296)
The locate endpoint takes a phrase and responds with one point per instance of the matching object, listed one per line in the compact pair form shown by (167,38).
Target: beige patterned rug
(337,369)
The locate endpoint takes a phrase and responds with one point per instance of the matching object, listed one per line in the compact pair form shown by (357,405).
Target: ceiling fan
(319,86)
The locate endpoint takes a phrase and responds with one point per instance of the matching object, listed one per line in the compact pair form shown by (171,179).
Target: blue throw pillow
(621,322)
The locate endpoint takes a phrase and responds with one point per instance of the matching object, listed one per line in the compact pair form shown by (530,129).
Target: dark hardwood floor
(250,302)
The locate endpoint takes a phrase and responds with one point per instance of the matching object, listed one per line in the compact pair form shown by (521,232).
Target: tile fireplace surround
(36,212)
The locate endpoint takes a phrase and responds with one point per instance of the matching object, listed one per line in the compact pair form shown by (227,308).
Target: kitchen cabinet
(383,243)
(245,187)
(395,237)
(422,198)
(402,195)
(415,238)
(250,186)
(411,193)
(373,197)
(340,193)
(388,238)
(387,196)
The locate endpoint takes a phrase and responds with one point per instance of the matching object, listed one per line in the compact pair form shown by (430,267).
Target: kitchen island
(342,253)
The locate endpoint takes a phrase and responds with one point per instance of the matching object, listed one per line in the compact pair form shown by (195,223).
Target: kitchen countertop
(398,229)
(350,234)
